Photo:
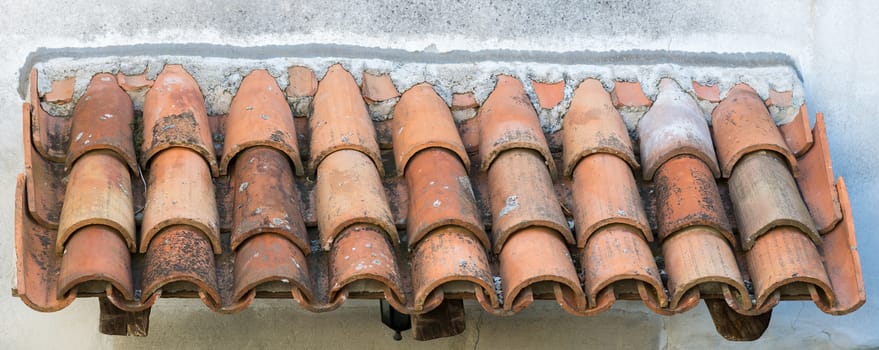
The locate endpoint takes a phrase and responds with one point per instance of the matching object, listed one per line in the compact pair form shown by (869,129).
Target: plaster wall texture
(831,42)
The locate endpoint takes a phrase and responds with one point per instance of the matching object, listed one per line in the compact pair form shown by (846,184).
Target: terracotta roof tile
(779,98)
(537,259)
(133,82)
(378,88)
(672,127)
(688,196)
(756,213)
(422,120)
(710,93)
(177,255)
(349,191)
(549,95)
(463,101)
(37,273)
(784,256)
(48,132)
(629,94)
(700,255)
(418,237)
(440,194)
(180,192)
(841,258)
(110,206)
(797,133)
(609,178)
(508,121)
(446,257)
(363,253)
(259,116)
(96,253)
(741,125)
(43,176)
(174,115)
(267,260)
(816,181)
(593,125)
(62,91)
(265,198)
(464,108)
(380,95)
(522,196)
(616,254)
(300,90)
(340,120)
(102,120)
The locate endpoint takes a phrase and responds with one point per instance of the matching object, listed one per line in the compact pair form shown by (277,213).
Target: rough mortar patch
(219,78)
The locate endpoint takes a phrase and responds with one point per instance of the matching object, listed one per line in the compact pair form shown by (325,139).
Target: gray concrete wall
(832,42)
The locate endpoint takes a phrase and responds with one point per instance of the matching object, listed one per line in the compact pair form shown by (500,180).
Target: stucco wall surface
(831,42)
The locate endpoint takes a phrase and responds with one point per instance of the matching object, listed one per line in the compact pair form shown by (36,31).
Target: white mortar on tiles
(219,78)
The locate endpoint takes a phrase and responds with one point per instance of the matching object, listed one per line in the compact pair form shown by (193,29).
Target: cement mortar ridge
(218,69)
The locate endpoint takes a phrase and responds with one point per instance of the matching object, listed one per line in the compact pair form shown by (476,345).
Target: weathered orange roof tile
(522,196)
(843,263)
(756,213)
(797,134)
(423,120)
(364,253)
(710,93)
(779,98)
(174,115)
(440,194)
(549,95)
(449,254)
(688,196)
(102,120)
(133,82)
(509,121)
(181,254)
(530,259)
(672,127)
(265,199)
(438,229)
(618,253)
(741,125)
(96,253)
(605,193)
(629,94)
(783,256)
(259,116)
(700,255)
(300,90)
(46,132)
(593,125)
(340,120)
(349,191)
(378,88)
(180,192)
(269,258)
(816,181)
(110,206)
(62,91)
(463,101)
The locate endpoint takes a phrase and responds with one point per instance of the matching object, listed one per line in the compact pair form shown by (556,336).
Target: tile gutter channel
(629,57)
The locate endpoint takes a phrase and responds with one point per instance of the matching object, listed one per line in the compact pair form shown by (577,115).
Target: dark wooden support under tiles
(114,321)
(735,326)
(445,321)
